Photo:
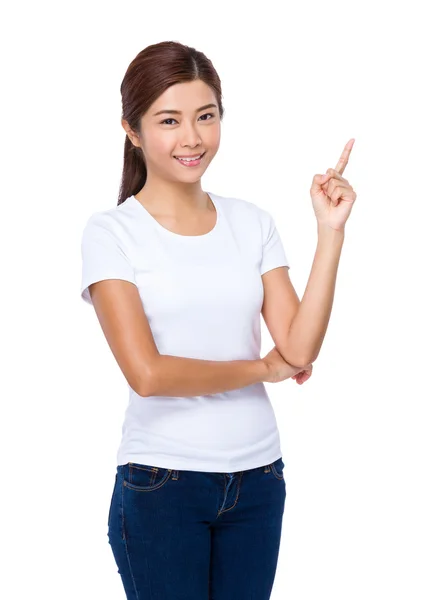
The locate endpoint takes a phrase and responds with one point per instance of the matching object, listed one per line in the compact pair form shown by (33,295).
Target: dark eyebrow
(178,112)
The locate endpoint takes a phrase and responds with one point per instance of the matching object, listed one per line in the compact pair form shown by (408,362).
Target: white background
(299,80)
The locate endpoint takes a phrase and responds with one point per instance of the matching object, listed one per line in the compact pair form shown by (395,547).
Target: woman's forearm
(178,376)
(308,327)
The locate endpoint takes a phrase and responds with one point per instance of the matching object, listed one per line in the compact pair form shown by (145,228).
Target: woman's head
(168,76)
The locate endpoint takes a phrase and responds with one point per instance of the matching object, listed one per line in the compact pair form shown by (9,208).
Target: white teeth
(189,159)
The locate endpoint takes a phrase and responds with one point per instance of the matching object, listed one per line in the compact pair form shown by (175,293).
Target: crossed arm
(297,328)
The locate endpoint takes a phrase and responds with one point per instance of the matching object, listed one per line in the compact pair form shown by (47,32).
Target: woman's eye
(205,115)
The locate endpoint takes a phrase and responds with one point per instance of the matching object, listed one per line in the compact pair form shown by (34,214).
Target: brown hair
(152,71)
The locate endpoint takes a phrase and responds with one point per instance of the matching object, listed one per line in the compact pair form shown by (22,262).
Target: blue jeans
(194,535)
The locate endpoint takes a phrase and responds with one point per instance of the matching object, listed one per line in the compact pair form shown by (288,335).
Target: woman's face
(186,132)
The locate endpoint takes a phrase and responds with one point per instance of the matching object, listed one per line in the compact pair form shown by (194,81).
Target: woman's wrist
(262,370)
(328,232)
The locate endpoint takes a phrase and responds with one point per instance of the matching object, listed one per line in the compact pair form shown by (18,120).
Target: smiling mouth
(189,159)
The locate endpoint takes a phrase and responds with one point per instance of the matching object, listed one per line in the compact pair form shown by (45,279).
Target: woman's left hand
(332,195)
(302,376)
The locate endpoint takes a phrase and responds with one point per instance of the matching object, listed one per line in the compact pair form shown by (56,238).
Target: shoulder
(108,223)
(108,217)
(249,214)
(238,207)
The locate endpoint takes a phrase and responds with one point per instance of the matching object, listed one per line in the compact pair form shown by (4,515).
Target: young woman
(178,277)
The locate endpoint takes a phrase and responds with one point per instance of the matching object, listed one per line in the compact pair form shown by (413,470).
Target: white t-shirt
(203,297)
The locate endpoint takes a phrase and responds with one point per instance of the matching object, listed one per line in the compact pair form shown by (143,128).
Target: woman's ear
(135,140)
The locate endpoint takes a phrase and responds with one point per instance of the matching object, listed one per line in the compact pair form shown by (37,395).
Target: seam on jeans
(126,548)
(225,495)
(237,496)
(142,467)
(137,488)
(130,568)
(275,472)
(152,478)
(122,511)
(149,469)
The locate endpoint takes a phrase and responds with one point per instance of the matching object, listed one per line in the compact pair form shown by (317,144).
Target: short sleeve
(102,256)
(273,253)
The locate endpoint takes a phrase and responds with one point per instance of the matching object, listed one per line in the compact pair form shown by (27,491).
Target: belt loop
(175,474)
(267,469)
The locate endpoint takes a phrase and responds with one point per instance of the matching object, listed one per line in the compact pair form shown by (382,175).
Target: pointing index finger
(344,158)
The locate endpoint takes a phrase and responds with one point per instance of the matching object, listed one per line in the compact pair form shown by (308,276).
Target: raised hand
(332,195)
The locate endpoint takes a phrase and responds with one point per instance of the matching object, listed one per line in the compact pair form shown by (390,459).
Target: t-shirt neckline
(180,236)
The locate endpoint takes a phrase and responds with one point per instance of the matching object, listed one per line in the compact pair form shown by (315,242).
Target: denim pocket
(145,478)
(277,468)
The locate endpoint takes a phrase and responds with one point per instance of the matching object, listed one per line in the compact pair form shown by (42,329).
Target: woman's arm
(333,198)
(309,325)
(178,376)
(126,328)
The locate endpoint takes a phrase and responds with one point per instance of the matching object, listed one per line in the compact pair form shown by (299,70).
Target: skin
(333,198)
(332,195)
(172,191)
